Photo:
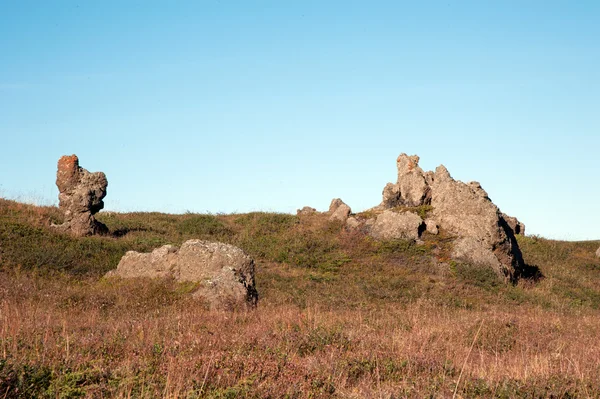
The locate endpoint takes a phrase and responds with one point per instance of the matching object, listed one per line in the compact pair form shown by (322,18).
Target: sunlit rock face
(80,197)
(483,235)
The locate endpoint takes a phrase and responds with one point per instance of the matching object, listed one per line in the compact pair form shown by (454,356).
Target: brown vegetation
(340,315)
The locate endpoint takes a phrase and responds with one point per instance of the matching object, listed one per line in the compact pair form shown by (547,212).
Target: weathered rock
(224,273)
(353,223)
(391,225)
(338,210)
(598,253)
(412,187)
(517,227)
(80,197)
(483,236)
(391,196)
(307,210)
(431,226)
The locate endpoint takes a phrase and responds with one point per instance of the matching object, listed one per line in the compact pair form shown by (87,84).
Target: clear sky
(235,106)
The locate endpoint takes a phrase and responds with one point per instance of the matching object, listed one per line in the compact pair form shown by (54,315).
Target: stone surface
(517,227)
(338,210)
(431,226)
(80,197)
(353,223)
(598,253)
(412,187)
(307,210)
(484,237)
(224,273)
(390,225)
(391,196)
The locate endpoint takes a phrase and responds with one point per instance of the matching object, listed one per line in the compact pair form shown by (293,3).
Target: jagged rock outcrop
(517,227)
(338,210)
(483,235)
(224,273)
(412,187)
(80,197)
(390,225)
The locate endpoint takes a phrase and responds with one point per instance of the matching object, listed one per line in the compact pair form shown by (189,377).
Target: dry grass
(339,316)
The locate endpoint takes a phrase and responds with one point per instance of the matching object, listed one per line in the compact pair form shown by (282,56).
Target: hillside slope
(339,315)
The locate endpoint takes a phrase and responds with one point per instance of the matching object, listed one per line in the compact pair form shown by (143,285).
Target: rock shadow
(123,232)
(530,274)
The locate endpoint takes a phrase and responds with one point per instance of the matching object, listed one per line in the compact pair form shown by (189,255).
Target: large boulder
(390,225)
(483,236)
(223,272)
(338,210)
(80,197)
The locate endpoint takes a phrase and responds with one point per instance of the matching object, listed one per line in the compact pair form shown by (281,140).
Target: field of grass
(339,315)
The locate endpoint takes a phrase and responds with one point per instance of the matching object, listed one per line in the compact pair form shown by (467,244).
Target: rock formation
(514,224)
(482,235)
(80,197)
(224,273)
(338,210)
(391,225)
(412,187)
(307,210)
(431,226)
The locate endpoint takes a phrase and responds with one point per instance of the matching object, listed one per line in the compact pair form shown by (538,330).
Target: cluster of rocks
(80,197)
(481,233)
(224,274)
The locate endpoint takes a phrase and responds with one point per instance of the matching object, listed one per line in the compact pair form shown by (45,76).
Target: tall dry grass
(339,316)
(142,339)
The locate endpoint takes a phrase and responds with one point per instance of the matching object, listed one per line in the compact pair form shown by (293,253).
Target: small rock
(338,210)
(353,223)
(431,226)
(307,210)
(598,253)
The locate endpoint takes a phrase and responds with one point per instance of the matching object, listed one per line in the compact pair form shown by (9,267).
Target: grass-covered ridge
(340,315)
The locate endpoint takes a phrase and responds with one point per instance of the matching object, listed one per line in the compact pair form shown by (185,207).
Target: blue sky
(235,106)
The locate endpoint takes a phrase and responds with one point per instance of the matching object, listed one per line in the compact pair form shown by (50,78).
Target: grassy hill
(339,315)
